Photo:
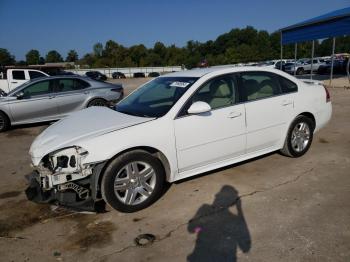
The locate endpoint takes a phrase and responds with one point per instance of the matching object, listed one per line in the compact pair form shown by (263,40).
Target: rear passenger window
(80,84)
(66,85)
(18,75)
(288,86)
(35,74)
(258,85)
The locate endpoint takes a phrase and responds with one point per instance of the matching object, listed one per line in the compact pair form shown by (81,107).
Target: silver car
(51,98)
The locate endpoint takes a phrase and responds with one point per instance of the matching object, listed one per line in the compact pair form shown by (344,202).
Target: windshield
(155,98)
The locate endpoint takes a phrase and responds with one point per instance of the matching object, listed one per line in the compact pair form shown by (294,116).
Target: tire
(300,71)
(97,102)
(4,122)
(131,192)
(299,137)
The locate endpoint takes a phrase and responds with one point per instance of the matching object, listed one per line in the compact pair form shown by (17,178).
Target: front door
(210,137)
(36,104)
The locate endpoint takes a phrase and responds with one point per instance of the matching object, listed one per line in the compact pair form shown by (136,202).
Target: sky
(79,24)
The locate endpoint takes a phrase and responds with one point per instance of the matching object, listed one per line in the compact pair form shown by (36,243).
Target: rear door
(268,111)
(36,105)
(16,78)
(70,94)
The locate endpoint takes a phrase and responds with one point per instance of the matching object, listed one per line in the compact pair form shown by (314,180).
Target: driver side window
(40,88)
(218,92)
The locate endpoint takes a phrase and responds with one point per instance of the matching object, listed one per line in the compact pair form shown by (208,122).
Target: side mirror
(199,107)
(20,95)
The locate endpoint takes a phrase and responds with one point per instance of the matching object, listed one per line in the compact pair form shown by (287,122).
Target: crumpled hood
(90,122)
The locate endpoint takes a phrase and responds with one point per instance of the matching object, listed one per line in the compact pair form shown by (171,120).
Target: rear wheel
(133,181)
(4,122)
(299,137)
(300,71)
(97,102)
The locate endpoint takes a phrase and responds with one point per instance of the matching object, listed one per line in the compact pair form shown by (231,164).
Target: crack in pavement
(215,211)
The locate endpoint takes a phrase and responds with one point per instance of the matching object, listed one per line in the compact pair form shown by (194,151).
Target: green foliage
(53,57)
(236,46)
(6,58)
(33,57)
(72,56)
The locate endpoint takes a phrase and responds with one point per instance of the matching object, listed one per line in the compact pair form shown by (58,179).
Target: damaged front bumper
(62,179)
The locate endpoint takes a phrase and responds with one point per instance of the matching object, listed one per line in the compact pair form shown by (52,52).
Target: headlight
(67,160)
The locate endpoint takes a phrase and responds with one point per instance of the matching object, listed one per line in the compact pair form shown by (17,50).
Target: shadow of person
(220,232)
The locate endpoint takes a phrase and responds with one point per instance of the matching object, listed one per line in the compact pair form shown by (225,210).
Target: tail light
(328,97)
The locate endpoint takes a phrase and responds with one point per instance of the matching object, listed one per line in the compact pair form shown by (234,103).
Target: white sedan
(173,127)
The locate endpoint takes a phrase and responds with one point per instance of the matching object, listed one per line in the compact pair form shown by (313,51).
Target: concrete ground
(272,208)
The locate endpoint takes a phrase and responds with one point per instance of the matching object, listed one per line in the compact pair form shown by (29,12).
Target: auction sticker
(179,84)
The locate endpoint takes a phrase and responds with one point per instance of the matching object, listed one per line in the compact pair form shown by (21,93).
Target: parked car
(96,75)
(297,67)
(174,127)
(118,75)
(52,98)
(305,66)
(11,78)
(139,75)
(153,74)
(339,67)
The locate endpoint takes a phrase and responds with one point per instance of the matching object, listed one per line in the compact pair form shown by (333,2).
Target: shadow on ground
(220,232)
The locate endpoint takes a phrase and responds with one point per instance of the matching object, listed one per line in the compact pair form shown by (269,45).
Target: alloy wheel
(300,136)
(134,183)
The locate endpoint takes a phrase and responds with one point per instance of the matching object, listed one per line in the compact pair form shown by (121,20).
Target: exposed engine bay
(62,179)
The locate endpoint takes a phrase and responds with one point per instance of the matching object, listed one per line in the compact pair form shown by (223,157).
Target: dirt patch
(10,194)
(90,233)
(18,132)
(137,219)
(323,141)
(18,215)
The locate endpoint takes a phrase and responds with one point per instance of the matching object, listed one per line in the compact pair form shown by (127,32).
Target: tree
(53,57)
(98,48)
(41,60)
(33,57)
(72,56)
(6,58)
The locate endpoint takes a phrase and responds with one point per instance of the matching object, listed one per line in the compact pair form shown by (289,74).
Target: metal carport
(336,23)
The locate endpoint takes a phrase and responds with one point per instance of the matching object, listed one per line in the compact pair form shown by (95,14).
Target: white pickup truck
(15,77)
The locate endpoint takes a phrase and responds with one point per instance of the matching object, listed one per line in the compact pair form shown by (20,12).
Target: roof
(332,24)
(197,72)
(221,70)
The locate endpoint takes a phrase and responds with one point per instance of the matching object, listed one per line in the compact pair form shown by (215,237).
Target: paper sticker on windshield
(179,84)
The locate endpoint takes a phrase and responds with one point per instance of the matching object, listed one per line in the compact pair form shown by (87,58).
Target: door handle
(234,114)
(286,102)
(14,82)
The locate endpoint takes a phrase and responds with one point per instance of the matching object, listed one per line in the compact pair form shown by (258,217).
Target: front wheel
(299,137)
(4,122)
(133,181)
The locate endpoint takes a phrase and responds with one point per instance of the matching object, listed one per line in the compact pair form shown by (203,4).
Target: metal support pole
(281,52)
(312,58)
(295,58)
(332,62)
